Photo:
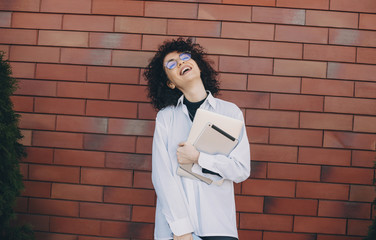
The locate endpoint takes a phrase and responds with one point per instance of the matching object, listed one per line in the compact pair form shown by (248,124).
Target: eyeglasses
(185,56)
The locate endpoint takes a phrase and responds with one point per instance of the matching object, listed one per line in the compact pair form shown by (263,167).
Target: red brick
(366,55)
(301,34)
(352,37)
(113,75)
(189,28)
(127,230)
(146,111)
(278,15)
(332,19)
(293,172)
(53,207)
(358,227)
(258,134)
(300,68)
(129,196)
(233,81)
(246,99)
(142,180)
(273,84)
(224,46)
(363,158)
(22,70)
(85,23)
(349,140)
(259,169)
(364,124)
(131,127)
(81,124)
(246,65)
(63,38)
(246,234)
(34,54)
(275,49)
(144,145)
(346,175)
(128,161)
(322,191)
(59,105)
(20,5)
(36,189)
(269,118)
(36,88)
(350,105)
(106,177)
(364,89)
(39,155)
(323,156)
(367,21)
(115,40)
(105,211)
(143,214)
(5,19)
(320,225)
(361,193)
(224,12)
(54,236)
(118,7)
(79,158)
(260,187)
(131,58)
(61,72)
(249,204)
(111,109)
(266,222)
(255,31)
(171,10)
(327,87)
(271,153)
(290,206)
(69,6)
(109,143)
(348,5)
(296,102)
(128,93)
(5,51)
(54,173)
(152,42)
(38,222)
(23,104)
(344,209)
(251,2)
(329,53)
(77,192)
(140,25)
(336,237)
(290,236)
(37,20)
(18,36)
(57,139)
(86,56)
(306,4)
(75,225)
(82,90)
(21,205)
(326,121)
(26,137)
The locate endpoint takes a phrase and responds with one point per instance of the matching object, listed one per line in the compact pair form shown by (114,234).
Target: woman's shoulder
(165,113)
(228,108)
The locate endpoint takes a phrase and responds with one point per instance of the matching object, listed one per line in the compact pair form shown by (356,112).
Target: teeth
(185,70)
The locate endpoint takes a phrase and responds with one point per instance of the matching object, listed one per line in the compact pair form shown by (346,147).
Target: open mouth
(185,69)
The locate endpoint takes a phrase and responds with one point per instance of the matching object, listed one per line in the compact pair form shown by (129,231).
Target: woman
(180,81)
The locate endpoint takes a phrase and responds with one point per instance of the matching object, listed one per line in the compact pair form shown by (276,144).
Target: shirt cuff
(181,226)
(207,161)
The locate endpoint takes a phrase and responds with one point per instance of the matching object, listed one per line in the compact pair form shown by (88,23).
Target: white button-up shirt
(186,205)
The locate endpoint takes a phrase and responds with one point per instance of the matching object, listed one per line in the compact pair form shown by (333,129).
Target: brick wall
(304,72)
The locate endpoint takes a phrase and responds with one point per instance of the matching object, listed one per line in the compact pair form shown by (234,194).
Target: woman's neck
(195,94)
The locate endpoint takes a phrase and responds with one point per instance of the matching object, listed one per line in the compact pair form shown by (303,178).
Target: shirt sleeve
(237,165)
(167,184)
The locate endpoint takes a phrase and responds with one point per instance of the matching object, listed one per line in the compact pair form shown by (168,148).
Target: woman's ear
(170,85)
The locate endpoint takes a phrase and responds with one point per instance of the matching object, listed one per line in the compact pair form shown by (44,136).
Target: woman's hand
(187,236)
(187,153)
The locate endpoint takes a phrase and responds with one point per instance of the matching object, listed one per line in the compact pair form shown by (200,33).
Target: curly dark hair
(159,93)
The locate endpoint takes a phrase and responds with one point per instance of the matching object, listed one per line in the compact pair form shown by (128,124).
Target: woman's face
(185,73)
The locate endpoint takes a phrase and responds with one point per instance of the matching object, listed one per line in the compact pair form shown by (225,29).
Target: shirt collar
(210,99)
